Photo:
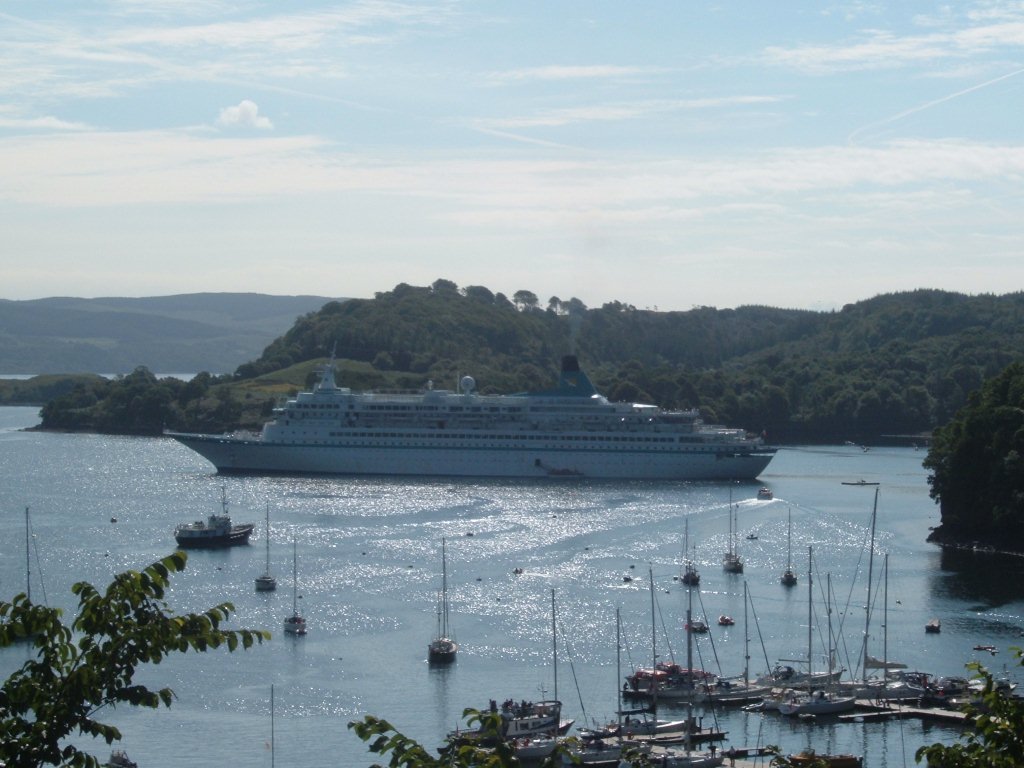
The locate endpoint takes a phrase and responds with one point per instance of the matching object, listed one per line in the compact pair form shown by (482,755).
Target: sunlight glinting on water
(369,571)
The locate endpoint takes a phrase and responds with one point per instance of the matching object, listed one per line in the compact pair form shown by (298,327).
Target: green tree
(994,737)
(485,748)
(80,669)
(489,750)
(525,300)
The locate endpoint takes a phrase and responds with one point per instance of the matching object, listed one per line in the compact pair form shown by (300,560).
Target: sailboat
(739,689)
(789,575)
(673,757)
(266,582)
(731,562)
(442,649)
(28,574)
(817,701)
(690,577)
(295,624)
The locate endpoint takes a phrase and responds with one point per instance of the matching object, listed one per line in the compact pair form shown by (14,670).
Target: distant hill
(185,333)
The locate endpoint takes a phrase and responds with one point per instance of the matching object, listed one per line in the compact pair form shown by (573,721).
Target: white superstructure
(569,431)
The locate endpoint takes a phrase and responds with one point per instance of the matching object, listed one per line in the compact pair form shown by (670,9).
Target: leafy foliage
(80,669)
(995,738)
(488,750)
(977,465)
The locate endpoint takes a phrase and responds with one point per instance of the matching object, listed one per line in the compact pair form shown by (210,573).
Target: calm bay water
(369,570)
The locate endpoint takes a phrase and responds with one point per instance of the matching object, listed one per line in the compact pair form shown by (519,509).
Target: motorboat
(933,626)
(765,494)
(726,621)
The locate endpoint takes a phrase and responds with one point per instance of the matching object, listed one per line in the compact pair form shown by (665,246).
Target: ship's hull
(421,458)
(194,541)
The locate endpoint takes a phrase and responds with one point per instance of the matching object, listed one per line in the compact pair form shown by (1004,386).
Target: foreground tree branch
(79,670)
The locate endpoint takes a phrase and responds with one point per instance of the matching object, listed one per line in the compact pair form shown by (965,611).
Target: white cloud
(247,114)
(880,49)
(578,72)
(625,111)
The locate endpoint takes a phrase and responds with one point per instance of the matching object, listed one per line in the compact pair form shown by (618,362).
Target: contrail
(928,105)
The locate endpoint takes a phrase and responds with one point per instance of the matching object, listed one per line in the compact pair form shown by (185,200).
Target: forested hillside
(899,364)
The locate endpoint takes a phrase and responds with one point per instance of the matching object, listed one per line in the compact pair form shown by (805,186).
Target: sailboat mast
(271,725)
(654,648)
(689,668)
(268,537)
(746,638)
(885,615)
(444,589)
(810,615)
(789,539)
(554,643)
(618,670)
(871,561)
(28,560)
(295,578)
(732,539)
(828,610)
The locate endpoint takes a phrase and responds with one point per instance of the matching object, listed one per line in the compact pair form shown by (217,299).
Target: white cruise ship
(569,431)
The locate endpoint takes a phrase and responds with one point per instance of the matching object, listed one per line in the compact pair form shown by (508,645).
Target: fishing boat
(265,582)
(525,722)
(215,532)
(119,759)
(524,719)
(569,431)
(443,648)
(295,624)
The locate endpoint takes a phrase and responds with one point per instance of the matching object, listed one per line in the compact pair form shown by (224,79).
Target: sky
(666,155)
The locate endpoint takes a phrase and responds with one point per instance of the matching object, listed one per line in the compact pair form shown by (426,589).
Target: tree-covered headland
(977,466)
(895,365)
